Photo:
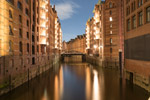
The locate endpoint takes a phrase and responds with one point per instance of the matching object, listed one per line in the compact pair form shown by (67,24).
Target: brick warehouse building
(107,30)
(78,44)
(27,37)
(137,39)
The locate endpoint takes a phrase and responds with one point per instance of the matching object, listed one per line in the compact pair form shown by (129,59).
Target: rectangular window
(10,14)
(111,41)
(27,12)
(10,30)
(128,25)
(20,18)
(28,23)
(20,33)
(110,19)
(110,50)
(27,35)
(28,47)
(134,22)
(140,18)
(148,14)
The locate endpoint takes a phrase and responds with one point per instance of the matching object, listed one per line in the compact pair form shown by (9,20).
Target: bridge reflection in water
(78,81)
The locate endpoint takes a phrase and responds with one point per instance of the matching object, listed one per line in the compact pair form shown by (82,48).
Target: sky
(73,15)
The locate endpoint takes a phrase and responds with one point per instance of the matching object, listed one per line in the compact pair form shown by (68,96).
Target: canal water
(78,81)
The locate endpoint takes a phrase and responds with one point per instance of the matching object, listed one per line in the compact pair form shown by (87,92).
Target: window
(140,18)
(20,33)
(28,23)
(10,46)
(33,49)
(110,40)
(33,61)
(19,5)
(140,2)
(27,1)
(110,12)
(27,35)
(110,19)
(10,14)
(148,14)
(134,22)
(27,12)
(110,25)
(20,46)
(110,32)
(33,38)
(20,18)
(37,48)
(10,30)
(10,1)
(128,25)
(133,6)
(110,5)
(110,50)
(28,47)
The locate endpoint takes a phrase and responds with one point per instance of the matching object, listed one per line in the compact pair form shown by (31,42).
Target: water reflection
(78,81)
(95,86)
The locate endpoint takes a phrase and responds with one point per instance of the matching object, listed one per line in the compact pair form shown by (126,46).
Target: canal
(78,81)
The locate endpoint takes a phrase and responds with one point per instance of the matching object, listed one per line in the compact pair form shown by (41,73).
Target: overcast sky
(73,15)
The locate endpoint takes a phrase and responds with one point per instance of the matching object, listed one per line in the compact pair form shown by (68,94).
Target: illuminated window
(110,32)
(10,30)
(110,19)
(111,41)
(19,5)
(148,14)
(10,14)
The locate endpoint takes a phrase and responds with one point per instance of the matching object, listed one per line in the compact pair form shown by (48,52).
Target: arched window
(110,5)
(19,5)
(20,46)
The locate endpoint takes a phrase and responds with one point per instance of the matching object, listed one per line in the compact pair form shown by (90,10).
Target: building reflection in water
(59,85)
(88,83)
(96,94)
(45,97)
(61,78)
